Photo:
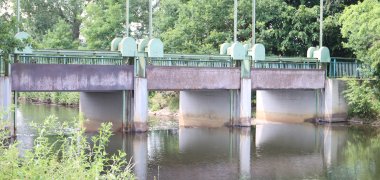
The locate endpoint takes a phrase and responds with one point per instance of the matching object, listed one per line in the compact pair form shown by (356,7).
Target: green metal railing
(69,57)
(76,52)
(347,67)
(66,59)
(287,63)
(217,61)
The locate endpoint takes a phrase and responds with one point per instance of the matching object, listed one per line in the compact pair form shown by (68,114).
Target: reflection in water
(266,151)
(28,113)
(245,153)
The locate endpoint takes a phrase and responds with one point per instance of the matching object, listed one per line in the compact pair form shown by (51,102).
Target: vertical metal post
(321,24)
(235,19)
(18,15)
(334,67)
(124,112)
(253,22)
(15,112)
(150,19)
(127,18)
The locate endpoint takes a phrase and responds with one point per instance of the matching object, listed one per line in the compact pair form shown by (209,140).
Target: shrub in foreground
(68,157)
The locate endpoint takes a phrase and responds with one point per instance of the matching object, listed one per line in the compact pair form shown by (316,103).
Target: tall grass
(68,157)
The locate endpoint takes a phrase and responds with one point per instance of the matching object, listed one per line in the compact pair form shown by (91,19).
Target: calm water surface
(266,151)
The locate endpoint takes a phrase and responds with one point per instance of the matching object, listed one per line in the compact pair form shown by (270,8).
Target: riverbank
(68,99)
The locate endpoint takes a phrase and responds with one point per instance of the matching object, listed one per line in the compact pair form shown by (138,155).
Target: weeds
(71,156)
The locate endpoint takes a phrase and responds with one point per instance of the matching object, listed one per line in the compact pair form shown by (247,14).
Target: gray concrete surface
(245,103)
(204,108)
(57,77)
(189,78)
(292,106)
(335,106)
(287,79)
(140,116)
(6,102)
(101,107)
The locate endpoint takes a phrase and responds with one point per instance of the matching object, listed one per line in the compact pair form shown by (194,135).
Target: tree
(105,20)
(8,42)
(59,37)
(361,26)
(43,15)
(201,26)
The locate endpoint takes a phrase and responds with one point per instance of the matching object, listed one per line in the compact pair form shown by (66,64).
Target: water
(266,151)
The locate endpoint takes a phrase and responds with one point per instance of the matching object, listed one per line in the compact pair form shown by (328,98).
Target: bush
(161,100)
(362,100)
(69,157)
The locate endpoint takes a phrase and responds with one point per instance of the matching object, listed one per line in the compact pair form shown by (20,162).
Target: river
(265,151)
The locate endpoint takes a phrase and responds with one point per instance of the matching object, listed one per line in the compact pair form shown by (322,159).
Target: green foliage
(161,100)
(62,98)
(40,16)
(59,37)
(362,100)
(69,157)
(362,158)
(7,31)
(102,23)
(105,19)
(285,29)
(361,27)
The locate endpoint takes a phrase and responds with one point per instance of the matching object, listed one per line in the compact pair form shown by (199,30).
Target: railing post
(334,68)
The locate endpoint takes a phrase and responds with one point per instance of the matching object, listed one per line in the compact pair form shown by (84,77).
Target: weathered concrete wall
(5,94)
(57,77)
(245,103)
(286,105)
(189,78)
(335,106)
(140,116)
(287,79)
(6,101)
(204,108)
(103,107)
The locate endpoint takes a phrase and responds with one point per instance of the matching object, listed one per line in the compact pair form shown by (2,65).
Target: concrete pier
(245,103)
(286,105)
(140,117)
(5,96)
(101,107)
(6,102)
(204,108)
(335,106)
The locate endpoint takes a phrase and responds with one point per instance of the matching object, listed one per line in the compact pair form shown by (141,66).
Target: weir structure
(215,90)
